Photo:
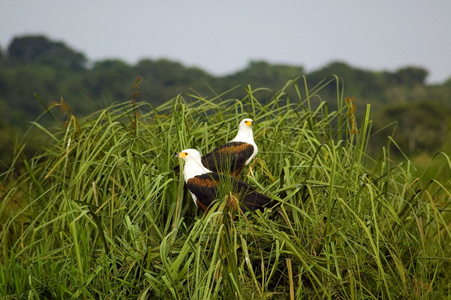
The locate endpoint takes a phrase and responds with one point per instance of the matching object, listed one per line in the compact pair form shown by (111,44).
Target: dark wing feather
(231,156)
(249,198)
(205,188)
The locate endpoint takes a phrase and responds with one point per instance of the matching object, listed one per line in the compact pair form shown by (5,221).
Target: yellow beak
(181,155)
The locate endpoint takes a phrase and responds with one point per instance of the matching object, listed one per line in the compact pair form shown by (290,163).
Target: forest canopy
(34,67)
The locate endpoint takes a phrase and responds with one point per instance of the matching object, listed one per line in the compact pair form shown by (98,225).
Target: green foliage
(36,64)
(42,51)
(410,76)
(420,127)
(100,213)
(262,73)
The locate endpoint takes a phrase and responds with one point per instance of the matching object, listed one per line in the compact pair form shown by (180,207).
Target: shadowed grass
(100,214)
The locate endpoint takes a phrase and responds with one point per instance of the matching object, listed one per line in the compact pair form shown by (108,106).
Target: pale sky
(221,37)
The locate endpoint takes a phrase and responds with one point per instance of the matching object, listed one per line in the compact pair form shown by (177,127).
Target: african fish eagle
(204,184)
(234,155)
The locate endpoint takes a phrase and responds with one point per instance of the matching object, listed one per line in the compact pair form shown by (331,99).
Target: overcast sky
(222,36)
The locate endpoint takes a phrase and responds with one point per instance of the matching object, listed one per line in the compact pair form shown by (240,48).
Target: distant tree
(41,50)
(110,64)
(168,73)
(447,83)
(421,126)
(110,79)
(259,74)
(2,58)
(364,85)
(268,74)
(164,79)
(410,76)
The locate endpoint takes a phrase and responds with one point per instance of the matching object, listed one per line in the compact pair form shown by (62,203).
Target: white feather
(246,135)
(193,167)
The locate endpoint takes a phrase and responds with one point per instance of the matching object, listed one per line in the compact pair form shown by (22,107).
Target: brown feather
(230,157)
(205,187)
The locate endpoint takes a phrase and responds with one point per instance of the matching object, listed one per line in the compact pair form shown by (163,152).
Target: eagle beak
(181,155)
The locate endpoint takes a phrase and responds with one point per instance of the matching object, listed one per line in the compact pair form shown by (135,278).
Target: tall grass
(99,213)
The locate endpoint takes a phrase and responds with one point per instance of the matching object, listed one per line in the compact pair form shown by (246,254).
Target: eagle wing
(250,200)
(205,188)
(231,156)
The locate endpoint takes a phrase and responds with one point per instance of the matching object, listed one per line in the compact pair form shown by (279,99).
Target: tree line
(37,65)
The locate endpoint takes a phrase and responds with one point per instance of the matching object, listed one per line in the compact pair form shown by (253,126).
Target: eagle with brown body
(204,185)
(235,155)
